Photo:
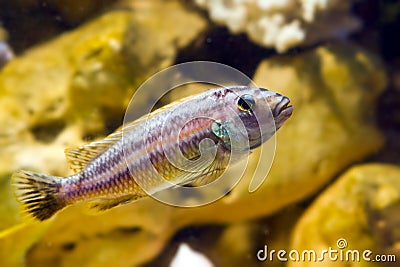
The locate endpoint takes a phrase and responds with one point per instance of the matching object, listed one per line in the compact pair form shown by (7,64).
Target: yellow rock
(15,241)
(9,207)
(229,252)
(362,208)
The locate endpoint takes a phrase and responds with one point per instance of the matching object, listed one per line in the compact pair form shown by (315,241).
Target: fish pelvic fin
(38,193)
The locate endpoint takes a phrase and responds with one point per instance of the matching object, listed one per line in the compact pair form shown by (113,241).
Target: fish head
(261,111)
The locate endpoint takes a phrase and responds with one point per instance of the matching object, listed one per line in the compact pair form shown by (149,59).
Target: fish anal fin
(103,204)
(79,157)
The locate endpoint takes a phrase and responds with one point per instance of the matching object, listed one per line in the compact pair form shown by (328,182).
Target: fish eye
(245,102)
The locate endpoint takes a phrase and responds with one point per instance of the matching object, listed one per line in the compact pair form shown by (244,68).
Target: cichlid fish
(111,171)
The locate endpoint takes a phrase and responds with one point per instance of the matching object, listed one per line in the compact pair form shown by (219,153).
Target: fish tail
(38,193)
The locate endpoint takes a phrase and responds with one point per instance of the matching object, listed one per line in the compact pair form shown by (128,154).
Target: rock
(361,208)
(70,90)
(9,207)
(15,241)
(228,252)
(127,236)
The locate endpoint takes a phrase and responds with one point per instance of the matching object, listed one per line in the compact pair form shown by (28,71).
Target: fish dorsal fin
(79,157)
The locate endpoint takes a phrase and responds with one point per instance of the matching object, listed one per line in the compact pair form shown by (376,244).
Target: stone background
(336,170)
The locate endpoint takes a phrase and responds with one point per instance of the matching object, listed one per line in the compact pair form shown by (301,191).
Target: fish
(189,142)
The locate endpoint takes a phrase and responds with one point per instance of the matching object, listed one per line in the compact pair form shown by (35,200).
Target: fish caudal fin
(38,193)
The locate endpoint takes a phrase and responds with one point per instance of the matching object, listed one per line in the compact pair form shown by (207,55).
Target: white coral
(310,8)
(284,23)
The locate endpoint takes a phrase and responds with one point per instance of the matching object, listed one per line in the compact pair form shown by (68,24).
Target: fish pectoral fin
(207,178)
(79,157)
(204,176)
(103,204)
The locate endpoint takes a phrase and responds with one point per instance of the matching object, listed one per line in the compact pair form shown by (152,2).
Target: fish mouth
(283,108)
(281,113)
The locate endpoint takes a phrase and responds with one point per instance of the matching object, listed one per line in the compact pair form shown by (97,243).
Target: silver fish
(115,170)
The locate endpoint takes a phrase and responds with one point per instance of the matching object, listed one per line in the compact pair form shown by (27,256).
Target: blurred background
(69,68)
